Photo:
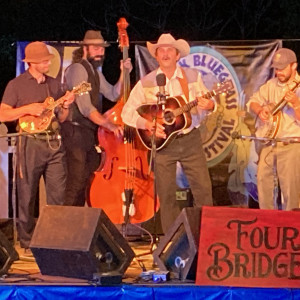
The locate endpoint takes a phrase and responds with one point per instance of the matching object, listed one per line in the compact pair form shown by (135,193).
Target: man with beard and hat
(282,86)
(38,154)
(186,148)
(80,132)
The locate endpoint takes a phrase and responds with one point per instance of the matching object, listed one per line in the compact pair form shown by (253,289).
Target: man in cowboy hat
(80,133)
(39,154)
(287,124)
(186,148)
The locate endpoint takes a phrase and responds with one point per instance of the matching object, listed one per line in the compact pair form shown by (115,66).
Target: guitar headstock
(82,88)
(224,87)
(122,34)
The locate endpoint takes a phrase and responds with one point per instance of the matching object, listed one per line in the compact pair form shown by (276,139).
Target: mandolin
(36,124)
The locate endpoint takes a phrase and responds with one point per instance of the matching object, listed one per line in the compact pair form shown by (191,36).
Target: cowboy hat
(93,37)
(36,52)
(167,40)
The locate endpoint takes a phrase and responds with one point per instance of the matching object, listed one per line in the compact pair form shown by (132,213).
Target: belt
(181,135)
(75,123)
(80,125)
(45,137)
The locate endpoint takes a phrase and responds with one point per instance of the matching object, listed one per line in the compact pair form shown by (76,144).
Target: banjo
(269,129)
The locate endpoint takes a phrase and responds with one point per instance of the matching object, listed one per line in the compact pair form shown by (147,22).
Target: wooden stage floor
(24,281)
(26,271)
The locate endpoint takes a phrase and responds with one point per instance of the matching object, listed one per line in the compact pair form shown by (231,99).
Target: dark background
(198,20)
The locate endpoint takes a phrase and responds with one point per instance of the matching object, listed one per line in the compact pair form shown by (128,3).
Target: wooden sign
(249,247)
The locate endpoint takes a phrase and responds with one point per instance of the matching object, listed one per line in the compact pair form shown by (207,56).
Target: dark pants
(82,161)
(37,159)
(188,151)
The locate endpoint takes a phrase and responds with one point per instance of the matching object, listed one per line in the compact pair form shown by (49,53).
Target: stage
(133,292)
(24,281)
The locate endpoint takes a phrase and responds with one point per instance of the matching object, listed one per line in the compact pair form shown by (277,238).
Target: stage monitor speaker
(79,242)
(7,228)
(8,254)
(177,251)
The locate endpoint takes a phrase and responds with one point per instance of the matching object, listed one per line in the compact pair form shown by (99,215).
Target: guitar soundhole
(169,117)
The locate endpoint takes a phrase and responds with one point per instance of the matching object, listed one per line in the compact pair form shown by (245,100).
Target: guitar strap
(184,84)
(185,89)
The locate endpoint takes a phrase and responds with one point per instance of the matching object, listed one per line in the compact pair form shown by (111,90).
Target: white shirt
(148,95)
(273,92)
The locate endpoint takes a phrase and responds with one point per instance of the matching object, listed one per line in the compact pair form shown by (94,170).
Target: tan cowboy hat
(93,37)
(36,52)
(167,40)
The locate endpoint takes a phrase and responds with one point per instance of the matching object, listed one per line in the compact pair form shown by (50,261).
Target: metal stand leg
(13,197)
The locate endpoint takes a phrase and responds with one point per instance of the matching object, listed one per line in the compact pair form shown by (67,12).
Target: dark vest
(94,94)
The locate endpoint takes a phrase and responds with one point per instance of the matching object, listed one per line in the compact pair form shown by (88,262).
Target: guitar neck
(282,103)
(187,107)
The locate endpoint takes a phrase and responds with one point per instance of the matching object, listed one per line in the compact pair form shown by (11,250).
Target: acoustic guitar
(175,117)
(36,124)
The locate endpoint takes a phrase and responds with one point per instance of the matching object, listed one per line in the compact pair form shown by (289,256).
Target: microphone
(236,135)
(161,82)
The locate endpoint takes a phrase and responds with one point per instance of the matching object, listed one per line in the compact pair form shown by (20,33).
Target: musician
(80,132)
(39,154)
(186,148)
(287,154)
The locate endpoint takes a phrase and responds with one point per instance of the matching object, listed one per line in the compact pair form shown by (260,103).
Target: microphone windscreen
(235,135)
(161,79)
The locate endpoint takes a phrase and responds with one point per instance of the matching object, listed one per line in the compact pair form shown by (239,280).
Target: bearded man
(282,87)
(80,130)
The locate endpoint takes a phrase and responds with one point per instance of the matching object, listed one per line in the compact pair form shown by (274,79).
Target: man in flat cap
(80,132)
(285,124)
(38,154)
(186,148)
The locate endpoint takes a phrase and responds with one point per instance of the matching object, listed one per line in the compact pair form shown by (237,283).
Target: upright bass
(121,186)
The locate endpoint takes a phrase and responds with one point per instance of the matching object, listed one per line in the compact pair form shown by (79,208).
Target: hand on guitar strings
(160,130)
(117,130)
(69,97)
(34,109)
(264,113)
(205,104)
(292,98)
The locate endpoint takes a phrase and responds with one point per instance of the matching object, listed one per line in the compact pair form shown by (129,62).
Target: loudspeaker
(8,254)
(7,228)
(79,242)
(177,251)
(184,198)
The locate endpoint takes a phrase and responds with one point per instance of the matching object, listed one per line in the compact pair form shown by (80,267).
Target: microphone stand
(12,137)
(273,141)
(161,99)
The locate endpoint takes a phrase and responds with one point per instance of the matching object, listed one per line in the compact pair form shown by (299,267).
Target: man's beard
(96,63)
(285,79)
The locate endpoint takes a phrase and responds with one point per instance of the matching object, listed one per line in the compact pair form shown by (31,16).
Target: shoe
(28,252)
(27,255)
